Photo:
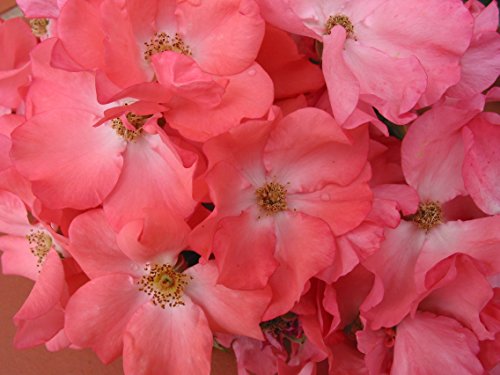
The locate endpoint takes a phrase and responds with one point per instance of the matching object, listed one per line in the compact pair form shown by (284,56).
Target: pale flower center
(40,243)
(164,285)
(272,198)
(39,26)
(342,20)
(428,216)
(161,42)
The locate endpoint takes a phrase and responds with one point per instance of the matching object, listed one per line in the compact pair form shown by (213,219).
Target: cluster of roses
(314,184)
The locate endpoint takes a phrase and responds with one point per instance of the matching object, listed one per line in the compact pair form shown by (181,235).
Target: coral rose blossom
(34,251)
(362,50)
(282,191)
(119,38)
(158,314)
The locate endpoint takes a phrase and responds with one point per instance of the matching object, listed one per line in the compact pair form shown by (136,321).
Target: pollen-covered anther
(161,42)
(40,243)
(428,215)
(164,285)
(272,197)
(124,132)
(342,20)
(39,26)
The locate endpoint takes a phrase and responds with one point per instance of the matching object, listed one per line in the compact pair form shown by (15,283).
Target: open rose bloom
(312,186)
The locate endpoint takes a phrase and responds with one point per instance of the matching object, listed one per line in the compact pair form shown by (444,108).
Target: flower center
(285,327)
(164,285)
(342,20)
(39,26)
(428,216)
(40,242)
(161,42)
(272,197)
(137,121)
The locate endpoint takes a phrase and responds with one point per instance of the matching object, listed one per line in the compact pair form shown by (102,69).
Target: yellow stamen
(428,215)
(272,198)
(39,26)
(342,20)
(164,285)
(41,243)
(161,42)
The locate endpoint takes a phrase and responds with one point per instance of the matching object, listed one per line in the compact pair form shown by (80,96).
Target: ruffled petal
(304,246)
(436,345)
(394,267)
(231,311)
(93,245)
(70,163)
(324,154)
(245,242)
(481,138)
(174,340)
(224,35)
(98,313)
(433,152)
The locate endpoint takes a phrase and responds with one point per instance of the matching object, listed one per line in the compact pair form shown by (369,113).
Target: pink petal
(39,330)
(245,243)
(174,340)
(17,258)
(13,215)
(182,75)
(480,65)
(481,137)
(224,35)
(436,345)
(227,310)
(436,32)
(393,95)
(248,95)
(143,240)
(343,86)
(84,44)
(93,245)
(280,57)
(68,90)
(231,193)
(39,8)
(153,177)
(433,152)
(304,246)
(342,208)
(242,147)
(463,298)
(394,267)
(477,238)
(47,291)
(123,61)
(323,155)
(98,313)
(70,166)
(378,359)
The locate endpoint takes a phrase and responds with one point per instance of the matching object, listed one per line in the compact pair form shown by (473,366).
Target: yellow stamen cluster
(137,121)
(39,26)
(164,285)
(342,20)
(40,242)
(428,216)
(161,42)
(272,198)
(128,134)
